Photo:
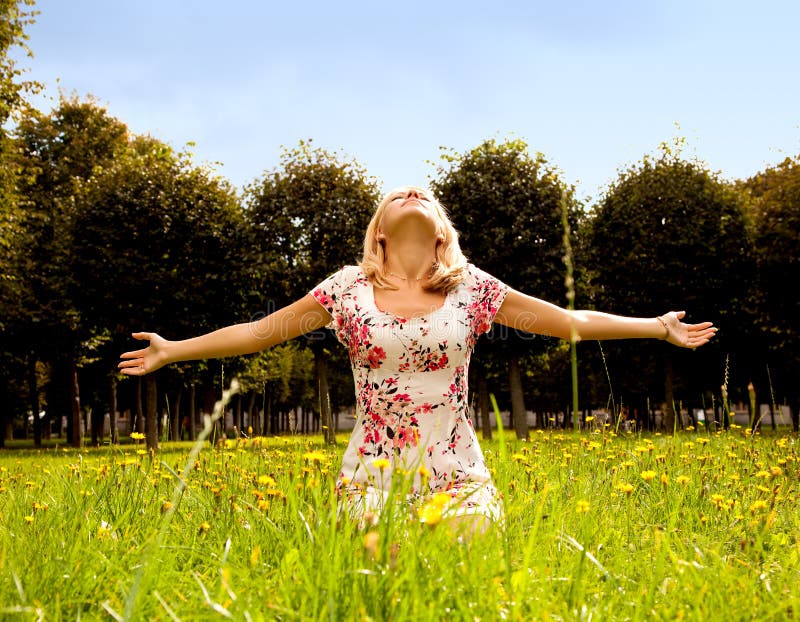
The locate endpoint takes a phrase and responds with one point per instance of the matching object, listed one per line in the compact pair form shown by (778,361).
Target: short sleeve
(332,293)
(486,297)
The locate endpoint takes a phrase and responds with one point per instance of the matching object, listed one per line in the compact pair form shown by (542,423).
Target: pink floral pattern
(411,387)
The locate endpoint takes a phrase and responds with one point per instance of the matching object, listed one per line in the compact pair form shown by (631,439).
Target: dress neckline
(414,318)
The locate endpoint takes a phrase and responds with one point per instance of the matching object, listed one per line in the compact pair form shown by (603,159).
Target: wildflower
(648,476)
(764,474)
(582,507)
(266,480)
(664,480)
(204,528)
(590,418)
(263,505)
(137,436)
(683,479)
(167,505)
(758,506)
(775,471)
(381,464)
(431,512)
(625,487)
(314,457)
(29,519)
(423,472)
(39,506)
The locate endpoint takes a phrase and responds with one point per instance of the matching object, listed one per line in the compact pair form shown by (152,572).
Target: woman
(410,314)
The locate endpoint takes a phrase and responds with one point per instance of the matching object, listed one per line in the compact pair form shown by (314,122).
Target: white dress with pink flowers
(411,392)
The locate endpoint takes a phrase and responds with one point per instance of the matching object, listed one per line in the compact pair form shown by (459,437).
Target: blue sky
(593,85)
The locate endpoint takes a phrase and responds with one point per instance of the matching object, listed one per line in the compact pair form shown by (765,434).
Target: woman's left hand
(686,335)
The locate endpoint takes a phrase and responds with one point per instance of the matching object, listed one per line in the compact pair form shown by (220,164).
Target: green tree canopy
(507,206)
(776,208)
(310,216)
(670,235)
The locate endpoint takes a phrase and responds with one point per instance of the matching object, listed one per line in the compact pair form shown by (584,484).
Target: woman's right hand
(146,360)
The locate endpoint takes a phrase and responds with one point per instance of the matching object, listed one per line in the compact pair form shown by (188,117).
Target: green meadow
(694,526)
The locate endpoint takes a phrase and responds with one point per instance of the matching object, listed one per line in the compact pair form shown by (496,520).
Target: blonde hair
(451,264)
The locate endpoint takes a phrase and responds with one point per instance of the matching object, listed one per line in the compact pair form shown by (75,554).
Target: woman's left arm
(537,316)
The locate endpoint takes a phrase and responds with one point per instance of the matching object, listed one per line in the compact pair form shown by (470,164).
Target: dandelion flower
(625,487)
(683,479)
(29,519)
(582,507)
(137,436)
(266,480)
(758,506)
(314,457)
(381,463)
(203,528)
(648,476)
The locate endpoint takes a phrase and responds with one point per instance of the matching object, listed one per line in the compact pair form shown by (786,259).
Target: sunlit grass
(695,526)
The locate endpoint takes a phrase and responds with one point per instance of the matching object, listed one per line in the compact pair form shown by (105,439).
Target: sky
(594,85)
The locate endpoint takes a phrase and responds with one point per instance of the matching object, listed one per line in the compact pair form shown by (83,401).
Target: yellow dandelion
(166,506)
(648,476)
(137,436)
(266,480)
(423,472)
(625,487)
(203,528)
(582,507)
(590,418)
(664,480)
(381,464)
(758,506)
(314,457)
(683,479)
(263,505)
(764,474)
(29,519)
(776,471)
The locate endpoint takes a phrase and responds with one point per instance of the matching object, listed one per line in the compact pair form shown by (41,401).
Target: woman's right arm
(300,317)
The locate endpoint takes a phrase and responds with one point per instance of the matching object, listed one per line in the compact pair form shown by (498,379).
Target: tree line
(105,232)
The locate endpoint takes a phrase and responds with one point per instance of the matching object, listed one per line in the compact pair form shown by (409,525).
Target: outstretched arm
(298,318)
(537,316)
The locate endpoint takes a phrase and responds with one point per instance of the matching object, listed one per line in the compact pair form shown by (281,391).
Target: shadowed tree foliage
(670,235)
(15,17)
(162,246)
(310,216)
(507,207)
(55,154)
(776,209)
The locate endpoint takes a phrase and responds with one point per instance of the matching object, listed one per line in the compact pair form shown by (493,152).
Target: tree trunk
(112,408)
(668,416)
(517,399)
(33,396)
(324,397)
(252,427)
(192,413)
(151,413)
(75,404)
(139,423)
(175,432)
(483,406)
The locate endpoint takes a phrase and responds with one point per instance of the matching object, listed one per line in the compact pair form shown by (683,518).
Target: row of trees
(105,232)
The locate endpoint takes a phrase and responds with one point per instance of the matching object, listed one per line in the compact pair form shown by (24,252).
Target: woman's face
(409,207)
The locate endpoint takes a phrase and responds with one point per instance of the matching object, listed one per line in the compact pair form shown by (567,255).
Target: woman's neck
(410,260)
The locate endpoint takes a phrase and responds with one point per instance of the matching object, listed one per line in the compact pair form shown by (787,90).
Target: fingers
(134,354)
(145,336)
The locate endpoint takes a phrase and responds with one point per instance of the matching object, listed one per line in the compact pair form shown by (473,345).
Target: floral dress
(411,393)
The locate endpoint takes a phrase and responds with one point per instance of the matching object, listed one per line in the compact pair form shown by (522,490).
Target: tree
(507,207)
(55,154)
(310,216)
(668,233)
(14,19)
(776,194)
(162,246)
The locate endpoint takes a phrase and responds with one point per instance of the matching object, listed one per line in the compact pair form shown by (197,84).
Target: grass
(693,526)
